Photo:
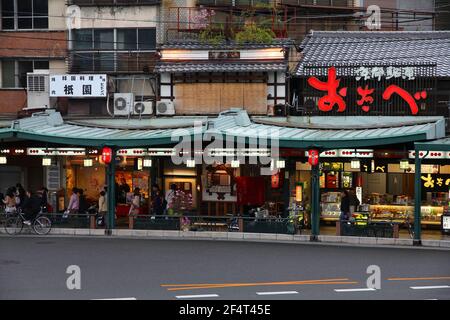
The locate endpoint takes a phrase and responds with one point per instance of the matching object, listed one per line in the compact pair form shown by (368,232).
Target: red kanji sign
(335,96)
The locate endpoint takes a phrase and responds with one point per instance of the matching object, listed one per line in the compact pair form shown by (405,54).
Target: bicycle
(409,226)
(41,225)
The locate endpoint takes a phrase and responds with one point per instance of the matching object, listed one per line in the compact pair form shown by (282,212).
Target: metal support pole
(286,185)
(315,203)
(417,200)
(111,182)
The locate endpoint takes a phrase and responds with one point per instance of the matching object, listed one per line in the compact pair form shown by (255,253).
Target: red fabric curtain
(250,191)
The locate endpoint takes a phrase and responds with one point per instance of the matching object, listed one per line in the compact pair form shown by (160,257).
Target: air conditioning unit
(38,96)
(143,107)
(165,108)
(123,104)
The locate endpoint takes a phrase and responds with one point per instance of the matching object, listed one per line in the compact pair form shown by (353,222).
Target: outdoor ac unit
(123,103)
(143,107)
(38,96)
(165,108)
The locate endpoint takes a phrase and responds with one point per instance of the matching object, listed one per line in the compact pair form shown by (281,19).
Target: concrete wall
(119,17)
(56,13)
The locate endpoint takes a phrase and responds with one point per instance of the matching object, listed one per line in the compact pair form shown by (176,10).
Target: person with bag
(136,202)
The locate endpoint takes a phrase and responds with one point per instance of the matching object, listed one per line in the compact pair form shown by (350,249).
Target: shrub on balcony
(254,34)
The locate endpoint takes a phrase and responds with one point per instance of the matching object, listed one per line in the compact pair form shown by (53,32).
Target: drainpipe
(315,202)
(417,198)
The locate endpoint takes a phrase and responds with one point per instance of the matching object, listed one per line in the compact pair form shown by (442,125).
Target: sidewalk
(243,236)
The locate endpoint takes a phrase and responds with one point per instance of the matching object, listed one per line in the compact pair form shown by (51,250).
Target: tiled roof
(357,48)
(197,45)
(220,67)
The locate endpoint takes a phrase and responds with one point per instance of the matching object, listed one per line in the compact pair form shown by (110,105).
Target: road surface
(114,268)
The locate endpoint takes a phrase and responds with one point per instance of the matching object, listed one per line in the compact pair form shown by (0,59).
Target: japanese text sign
(78,85)
(369,91)
(435,182)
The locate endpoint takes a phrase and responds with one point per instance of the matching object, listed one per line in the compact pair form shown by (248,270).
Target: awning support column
(315,203)
(417,199)
(111,183)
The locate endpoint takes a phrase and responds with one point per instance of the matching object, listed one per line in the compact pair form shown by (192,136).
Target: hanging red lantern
(107,155)
(313,157)
(276,181)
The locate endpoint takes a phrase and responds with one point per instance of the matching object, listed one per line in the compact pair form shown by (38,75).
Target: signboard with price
(78,85)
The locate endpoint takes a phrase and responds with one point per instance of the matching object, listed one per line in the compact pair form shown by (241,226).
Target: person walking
(135,203)
(74,203)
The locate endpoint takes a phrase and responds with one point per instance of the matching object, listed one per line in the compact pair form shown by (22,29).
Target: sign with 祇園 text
(78,85)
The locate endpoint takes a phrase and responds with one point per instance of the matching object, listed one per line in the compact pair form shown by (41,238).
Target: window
(126,39)
(24,14)
(14,72)
(147,39)
(104,39)
(112,49)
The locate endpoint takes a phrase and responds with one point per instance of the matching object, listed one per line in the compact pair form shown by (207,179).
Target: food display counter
(431,215)
(330,206)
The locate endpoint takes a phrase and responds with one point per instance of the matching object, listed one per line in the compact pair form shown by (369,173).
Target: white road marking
(194,296)
(430,287)
(131,298)
(275,293)
(430,299)
(355,290)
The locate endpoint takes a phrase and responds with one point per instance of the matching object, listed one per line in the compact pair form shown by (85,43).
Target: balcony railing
(113,2)
(324,3)
(112,61)
(235,3)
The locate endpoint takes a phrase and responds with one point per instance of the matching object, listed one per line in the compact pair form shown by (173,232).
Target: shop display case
(330,206)
(398,213)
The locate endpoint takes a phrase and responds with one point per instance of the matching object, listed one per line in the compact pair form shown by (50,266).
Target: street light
(355,163)
(190,163)
(147,163)
(88,162)
(46,162)
(404,164)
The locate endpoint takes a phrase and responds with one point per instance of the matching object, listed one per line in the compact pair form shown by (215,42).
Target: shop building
(200,78)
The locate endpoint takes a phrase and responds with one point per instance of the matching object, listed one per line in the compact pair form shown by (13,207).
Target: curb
(244,236)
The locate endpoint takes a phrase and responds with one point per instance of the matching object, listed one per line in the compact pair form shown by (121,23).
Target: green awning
(235,124)
(436,145)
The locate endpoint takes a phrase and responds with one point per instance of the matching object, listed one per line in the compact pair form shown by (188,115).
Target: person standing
(345,206)
(74,203)
(170,198)
(157,201)
(136,202)
(10,202)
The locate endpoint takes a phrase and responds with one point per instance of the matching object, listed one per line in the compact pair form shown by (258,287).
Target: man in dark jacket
(31,207)
(345,206)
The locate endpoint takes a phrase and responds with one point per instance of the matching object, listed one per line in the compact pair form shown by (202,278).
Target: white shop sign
(78,85)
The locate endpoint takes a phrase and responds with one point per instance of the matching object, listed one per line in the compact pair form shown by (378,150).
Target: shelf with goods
(330,206)
(431,215)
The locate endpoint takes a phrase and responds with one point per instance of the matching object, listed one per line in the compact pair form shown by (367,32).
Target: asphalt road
(112,268)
